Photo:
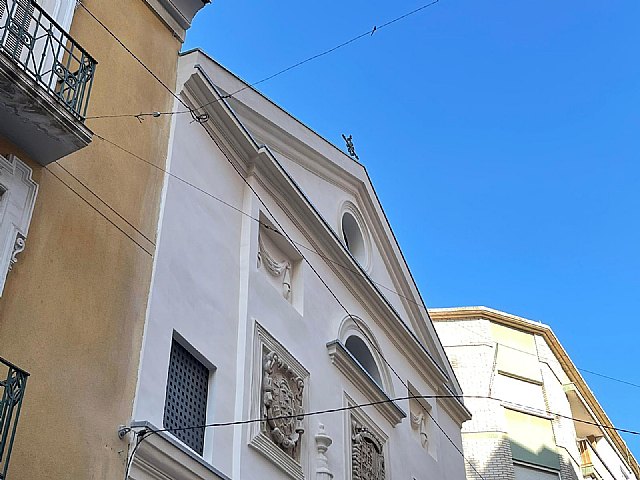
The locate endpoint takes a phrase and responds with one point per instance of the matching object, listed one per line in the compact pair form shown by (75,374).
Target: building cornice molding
(174,17)
(160,456)
(545,331)
(270,174)
(456,409)
(361,189)
(352,370)
(335,167)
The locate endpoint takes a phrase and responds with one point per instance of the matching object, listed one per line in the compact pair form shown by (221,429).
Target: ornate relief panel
(17,198)
(279,392)
(421,411)
(275,263)
(367,456)
(280,263)
(368,443)
(282,403)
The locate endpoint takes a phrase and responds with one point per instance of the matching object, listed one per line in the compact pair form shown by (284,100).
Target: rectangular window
(528,472)
(518,392)
(532,439)
(186,398)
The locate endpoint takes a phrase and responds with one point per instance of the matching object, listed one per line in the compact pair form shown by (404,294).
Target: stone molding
(356,374)
(177,19)
(274,267)
(18,194)
(160,457)
(423,349)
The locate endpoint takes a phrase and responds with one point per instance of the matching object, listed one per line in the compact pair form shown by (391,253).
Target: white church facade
(265,305)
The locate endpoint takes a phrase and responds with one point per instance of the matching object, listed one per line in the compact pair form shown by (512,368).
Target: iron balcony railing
(48,54)
(12,389)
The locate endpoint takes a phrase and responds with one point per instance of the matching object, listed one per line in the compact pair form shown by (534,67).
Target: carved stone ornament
(18,194)
(17,248)
(282,405)
(367,456)
(275,268)
(419,423)
(323,442)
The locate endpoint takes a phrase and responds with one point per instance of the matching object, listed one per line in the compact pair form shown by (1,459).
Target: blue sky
(502,138)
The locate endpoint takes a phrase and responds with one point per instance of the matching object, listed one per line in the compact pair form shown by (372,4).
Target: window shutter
(186,398)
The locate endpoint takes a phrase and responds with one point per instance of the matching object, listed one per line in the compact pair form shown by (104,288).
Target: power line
(204,118)
(98,211)
(107,205)
(306,260)
(335,262)
(146,431)
(394,400)
(609,378)
(368,33)
(135,57)
(329,259)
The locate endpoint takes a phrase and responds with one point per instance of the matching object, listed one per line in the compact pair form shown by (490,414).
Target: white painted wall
(207,286)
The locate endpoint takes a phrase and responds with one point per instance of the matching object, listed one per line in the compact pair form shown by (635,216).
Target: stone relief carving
(367,456)
(18,194)
(419,423)
(275,268)
(282,404)
(18,247)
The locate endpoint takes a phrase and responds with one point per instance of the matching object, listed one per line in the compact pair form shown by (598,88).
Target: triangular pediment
(331,183)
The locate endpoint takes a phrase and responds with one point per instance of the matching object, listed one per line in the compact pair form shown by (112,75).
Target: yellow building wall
(73,309)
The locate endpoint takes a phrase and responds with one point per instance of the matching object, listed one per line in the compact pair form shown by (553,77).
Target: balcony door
(60,10)
(37,38)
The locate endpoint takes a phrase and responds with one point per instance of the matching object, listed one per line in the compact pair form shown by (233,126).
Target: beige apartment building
(534,416)
(78,220)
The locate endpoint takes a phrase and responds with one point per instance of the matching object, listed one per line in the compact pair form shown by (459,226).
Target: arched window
(352,237)
(362,354)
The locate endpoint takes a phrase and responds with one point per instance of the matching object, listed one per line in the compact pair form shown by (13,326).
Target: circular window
(353,239)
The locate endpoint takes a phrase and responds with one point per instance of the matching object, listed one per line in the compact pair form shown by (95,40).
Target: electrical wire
(331,260)
(98,211)
(146,432)
(537,411)
(135,57)
(341,265)
(106,204)
(368,33)
(202,119)
(322,280)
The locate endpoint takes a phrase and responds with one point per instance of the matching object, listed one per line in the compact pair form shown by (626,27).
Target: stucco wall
(73,308)
(208,288)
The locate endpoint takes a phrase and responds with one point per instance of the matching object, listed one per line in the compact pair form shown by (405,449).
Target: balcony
(592,464)
(45,83)
(12,389)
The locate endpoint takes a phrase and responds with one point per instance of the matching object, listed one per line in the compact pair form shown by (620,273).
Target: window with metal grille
(186,399)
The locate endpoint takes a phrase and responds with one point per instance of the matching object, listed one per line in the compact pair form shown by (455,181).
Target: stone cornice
(160,456)
(536,328)
(177,15)
(249,157)
(352,369)
(328,162)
